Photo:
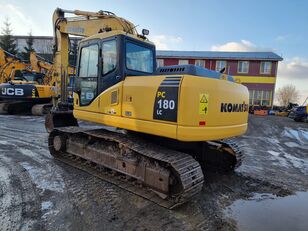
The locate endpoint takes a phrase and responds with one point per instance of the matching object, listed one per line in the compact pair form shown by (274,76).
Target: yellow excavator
(160,126)
(40,65)
(28,87)
(10,65)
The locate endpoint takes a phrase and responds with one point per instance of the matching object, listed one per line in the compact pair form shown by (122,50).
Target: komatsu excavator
(160,126)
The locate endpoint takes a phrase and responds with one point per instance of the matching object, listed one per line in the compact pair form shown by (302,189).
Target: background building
(256,70)
(43,46)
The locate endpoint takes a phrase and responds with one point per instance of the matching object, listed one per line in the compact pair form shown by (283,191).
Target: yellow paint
(255,79)
(136,105)
(150,127)
(210,133)
(203,104)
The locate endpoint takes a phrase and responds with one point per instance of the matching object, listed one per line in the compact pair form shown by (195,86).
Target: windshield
(27,76)
(139,58)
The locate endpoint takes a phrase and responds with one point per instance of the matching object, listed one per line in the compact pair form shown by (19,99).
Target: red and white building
(256,70)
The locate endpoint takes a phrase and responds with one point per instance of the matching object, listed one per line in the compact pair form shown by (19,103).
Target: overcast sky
(226,25)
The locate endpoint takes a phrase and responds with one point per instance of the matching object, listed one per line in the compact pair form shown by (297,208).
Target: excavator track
(20,107)
(238,152)
(166,177)
(228,155)
(14,107)
(41,109)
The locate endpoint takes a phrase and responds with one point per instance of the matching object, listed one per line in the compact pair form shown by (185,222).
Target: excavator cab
(105,62)
(29,76)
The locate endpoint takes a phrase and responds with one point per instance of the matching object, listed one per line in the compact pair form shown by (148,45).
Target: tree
(287,94)
(29,48)
(7,43)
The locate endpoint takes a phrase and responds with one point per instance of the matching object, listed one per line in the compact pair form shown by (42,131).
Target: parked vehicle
(299,114)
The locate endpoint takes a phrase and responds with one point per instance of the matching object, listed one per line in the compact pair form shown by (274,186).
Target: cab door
(110,82)
(88,73)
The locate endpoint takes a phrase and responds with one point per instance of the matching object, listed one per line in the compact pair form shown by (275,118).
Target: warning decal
(203,104)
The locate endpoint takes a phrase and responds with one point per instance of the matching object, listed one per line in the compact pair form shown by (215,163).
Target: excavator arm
(83,24)
(9,64)
(39,64)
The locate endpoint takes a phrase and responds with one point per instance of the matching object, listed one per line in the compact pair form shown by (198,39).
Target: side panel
(134,110)
(225,103)
(25,91)
(139,96)
(108,102)
(211,109)
(206,109)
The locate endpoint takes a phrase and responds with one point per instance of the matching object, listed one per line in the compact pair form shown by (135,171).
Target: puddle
(268,212)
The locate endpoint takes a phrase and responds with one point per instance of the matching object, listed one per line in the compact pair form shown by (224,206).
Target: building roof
(218,55)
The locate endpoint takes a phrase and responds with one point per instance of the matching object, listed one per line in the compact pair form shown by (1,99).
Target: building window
(251,96)
(220,65)
(200,63)
(183,61)
(267,98)
(266,67)
(160,62)
(243,67)
(260,97)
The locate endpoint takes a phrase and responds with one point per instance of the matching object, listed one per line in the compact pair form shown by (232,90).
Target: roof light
(145,32)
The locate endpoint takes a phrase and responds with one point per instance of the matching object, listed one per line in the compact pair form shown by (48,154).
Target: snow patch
(27,152)
(274,153)
(301,164)
(291,144)
(300,135)
(44,179)
(50,213)
(273,140)
(46,205)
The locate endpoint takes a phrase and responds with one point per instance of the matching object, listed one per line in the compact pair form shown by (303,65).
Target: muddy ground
(39,193)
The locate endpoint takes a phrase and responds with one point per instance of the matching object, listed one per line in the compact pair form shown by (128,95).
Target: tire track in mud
(20,204)
(95,204)
(88,203)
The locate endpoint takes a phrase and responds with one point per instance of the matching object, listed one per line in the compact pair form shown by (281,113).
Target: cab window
(88,70)
(139,58)
(109,55)
(89,61)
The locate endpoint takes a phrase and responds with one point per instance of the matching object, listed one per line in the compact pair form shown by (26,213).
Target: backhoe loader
(160,127)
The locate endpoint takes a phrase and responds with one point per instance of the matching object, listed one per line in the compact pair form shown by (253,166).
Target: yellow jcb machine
(28,88)
(40,65)
(170,121)
(10,65)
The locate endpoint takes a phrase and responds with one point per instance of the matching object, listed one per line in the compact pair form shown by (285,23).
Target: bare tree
(287,94)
